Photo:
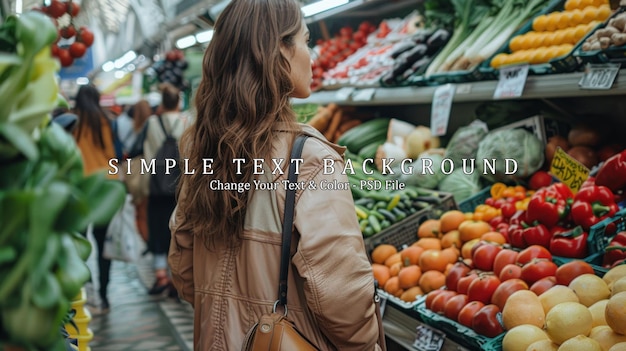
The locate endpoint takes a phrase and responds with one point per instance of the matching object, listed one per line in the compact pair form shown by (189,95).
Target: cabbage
(518,144)
(464,142)
(427,180)
(460,185)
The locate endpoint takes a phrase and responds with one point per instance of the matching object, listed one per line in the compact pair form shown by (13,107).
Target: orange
(395,268)
(381,273)
(382,252)
(473,229)
(433,260)
(409,276)
(429,229)
(411,255)
(450,220)
(395,258)
(432,280)
(392,286)
(429,243)
(494,237)
(411,294)
(451,254)
(451,239)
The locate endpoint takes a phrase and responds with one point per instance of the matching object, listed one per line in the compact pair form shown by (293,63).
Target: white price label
(511,83)
(344,94)
(364,94)
(599,76)
(440,111)
(428,339)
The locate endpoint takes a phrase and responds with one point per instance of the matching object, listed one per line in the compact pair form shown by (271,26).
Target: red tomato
(510,271)
(505,289)
(73,8)
(68,32)
(439,303)
(54,50)
(454,305)
(486,323)
(485,255)
(539,180)
(467,313)
(536,269)
(56,9)
(533,251)
(64,57)
(572,269)
(504,257)
(77,49)
(508,210)
(85,36)
(543,284)
(458,271)
(482,288)
(431,296)
(463,284)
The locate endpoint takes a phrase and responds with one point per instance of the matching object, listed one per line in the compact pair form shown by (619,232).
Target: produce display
(611,35)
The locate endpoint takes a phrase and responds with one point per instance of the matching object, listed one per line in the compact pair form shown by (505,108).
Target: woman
(160,207)
(95,140)
(225,250)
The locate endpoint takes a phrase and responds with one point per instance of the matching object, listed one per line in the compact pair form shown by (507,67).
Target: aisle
(137,321)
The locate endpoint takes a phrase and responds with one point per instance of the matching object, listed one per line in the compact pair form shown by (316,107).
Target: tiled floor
(138,321)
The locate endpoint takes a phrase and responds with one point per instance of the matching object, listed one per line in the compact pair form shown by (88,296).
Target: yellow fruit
(618,347)
(565,49)
(523,307)
(516,43)
(603,13)
(522,336)
(580,31)
(614,274)
(590,289)
(580,342)
(577,17)
(552,22)
(606,337)
(558,37)
(563,20)
(556,295)
(597,312)
(543,345)
(618,286)
(615,313)
(572,4)
(590,13)
(540,23)
(566,320)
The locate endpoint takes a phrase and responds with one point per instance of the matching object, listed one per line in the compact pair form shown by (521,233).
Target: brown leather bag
(273,331)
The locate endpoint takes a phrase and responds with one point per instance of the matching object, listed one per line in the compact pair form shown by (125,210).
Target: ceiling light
(119,74)
(205,36)
(321,6)
(82,80)
(108,66)
(127,58)
(186,42)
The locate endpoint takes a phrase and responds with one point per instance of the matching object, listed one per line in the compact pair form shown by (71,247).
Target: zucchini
(366,133)
(388,215)
(369,151)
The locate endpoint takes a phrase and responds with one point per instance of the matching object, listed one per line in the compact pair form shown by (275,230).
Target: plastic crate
(601,234)
(457,332)
(469,204)
(479,73)
(594,260)
(564,64)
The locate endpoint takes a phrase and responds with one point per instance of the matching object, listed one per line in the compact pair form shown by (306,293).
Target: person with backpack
(163,132)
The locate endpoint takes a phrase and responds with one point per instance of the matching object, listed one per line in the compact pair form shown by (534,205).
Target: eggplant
(438,39)
(401,47)
(416,67)
(416,53)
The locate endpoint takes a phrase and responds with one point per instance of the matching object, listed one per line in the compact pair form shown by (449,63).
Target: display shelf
(537,87)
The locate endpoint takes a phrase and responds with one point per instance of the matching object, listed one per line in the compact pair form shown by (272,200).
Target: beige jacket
(331,286)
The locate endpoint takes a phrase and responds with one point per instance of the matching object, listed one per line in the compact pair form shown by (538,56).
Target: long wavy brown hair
(141,112)
(244,92)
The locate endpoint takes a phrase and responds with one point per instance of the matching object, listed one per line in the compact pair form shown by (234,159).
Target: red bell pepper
(515,230)
(549,205)
(592,204)
(616,250)
(536,234)
(590,181)
(612,173)
(570,243)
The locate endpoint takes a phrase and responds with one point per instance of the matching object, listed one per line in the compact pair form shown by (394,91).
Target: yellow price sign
(568,170)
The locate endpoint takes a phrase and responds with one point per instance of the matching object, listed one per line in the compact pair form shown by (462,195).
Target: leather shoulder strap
(290,198)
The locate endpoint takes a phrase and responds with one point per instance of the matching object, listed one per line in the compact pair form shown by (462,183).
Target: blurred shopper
(125,128)
(94,137)
(226,245)
(160,207)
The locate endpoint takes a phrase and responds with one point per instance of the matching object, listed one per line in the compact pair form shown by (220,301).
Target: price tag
(600,76)
(569,171)
(428,339)
(440,111)
(364,94)
(344,94)
(512,82)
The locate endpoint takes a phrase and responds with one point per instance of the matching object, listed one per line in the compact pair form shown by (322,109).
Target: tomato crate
(469,204)
(457,332)
(601,234)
